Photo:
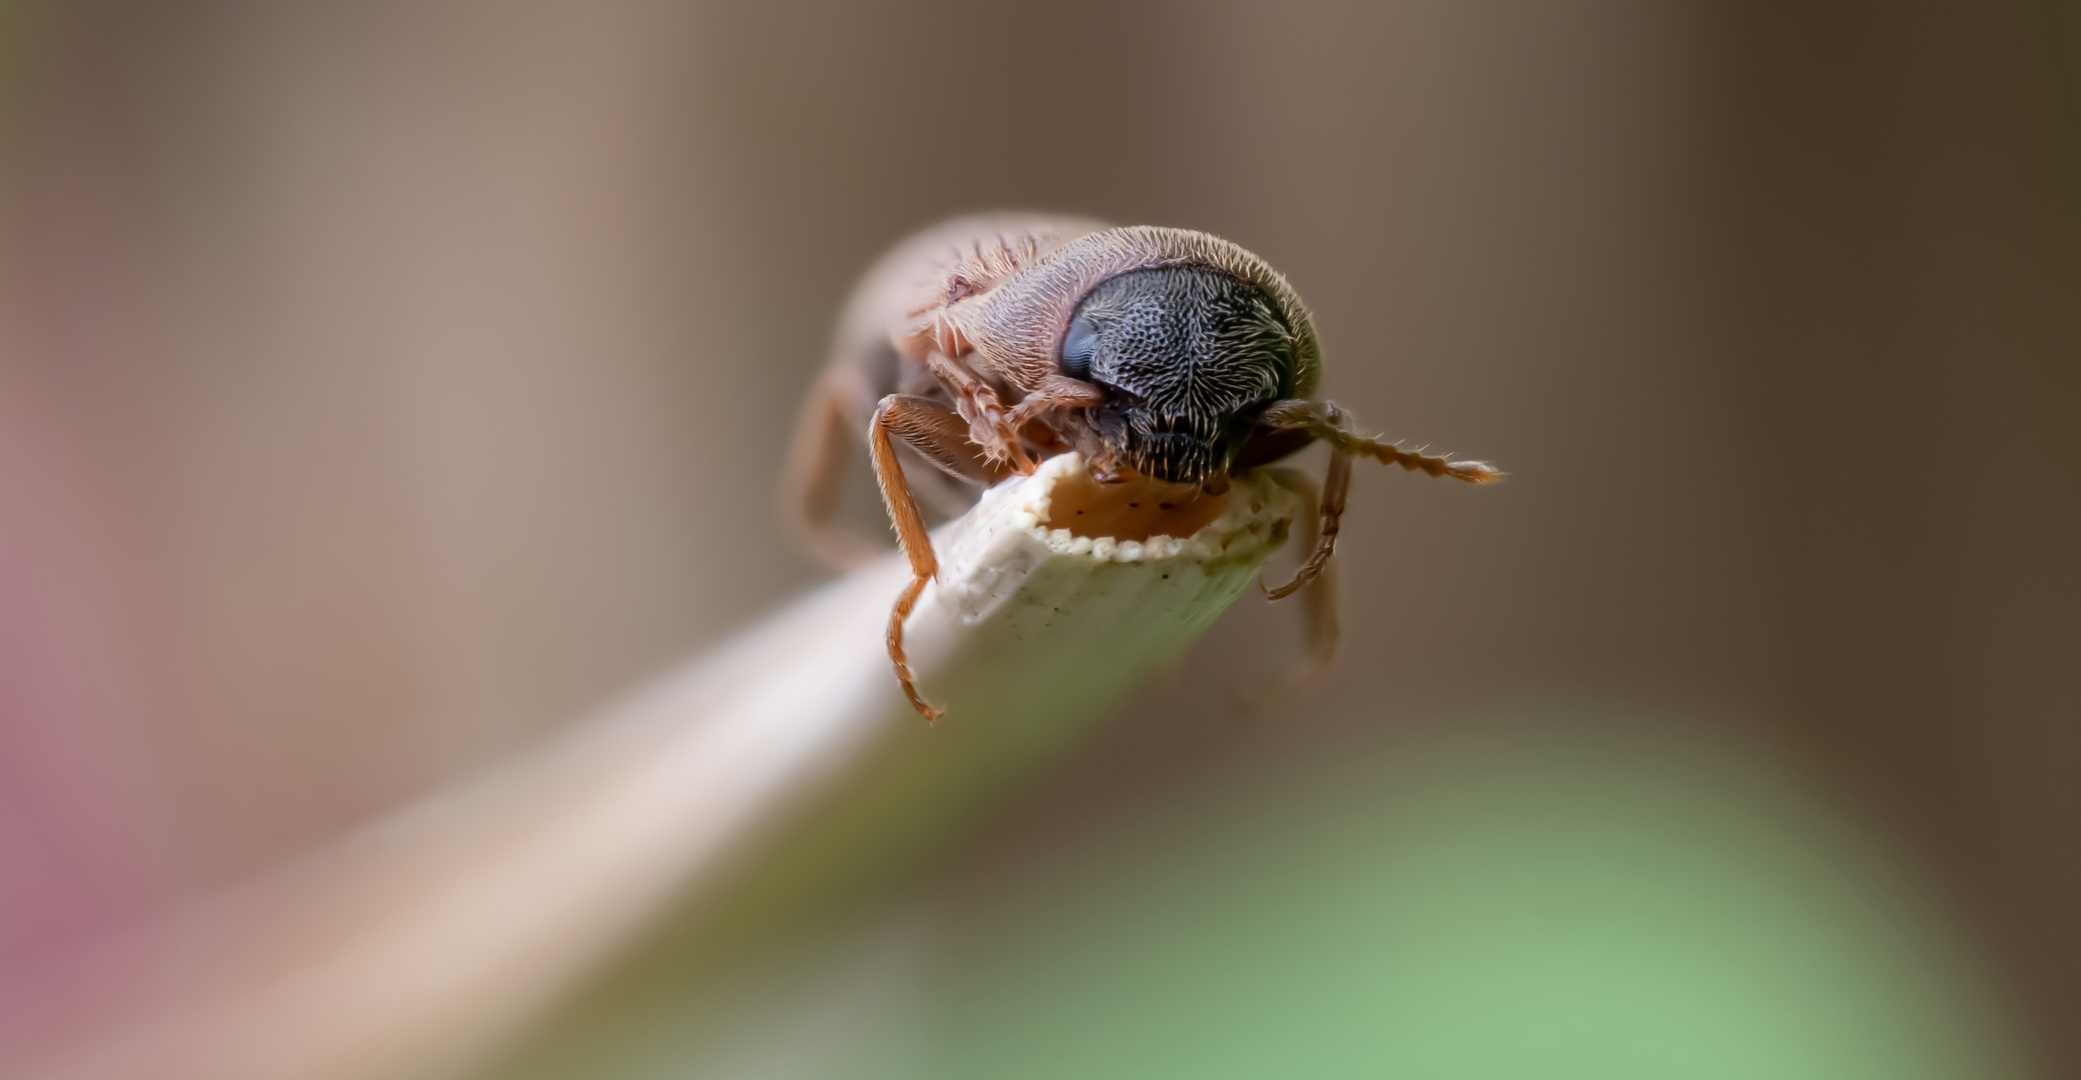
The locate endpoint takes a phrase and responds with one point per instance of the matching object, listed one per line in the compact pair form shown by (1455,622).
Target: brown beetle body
(988,343)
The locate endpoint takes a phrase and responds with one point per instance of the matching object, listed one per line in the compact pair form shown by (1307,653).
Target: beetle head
(1186,355)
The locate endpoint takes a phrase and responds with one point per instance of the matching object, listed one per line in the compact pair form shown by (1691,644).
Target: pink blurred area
(384,385)
(88,834)
(336,376)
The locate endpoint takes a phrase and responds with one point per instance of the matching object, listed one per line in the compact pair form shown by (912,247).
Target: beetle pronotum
(1168,359)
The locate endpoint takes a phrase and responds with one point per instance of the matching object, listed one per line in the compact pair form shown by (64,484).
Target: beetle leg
(1056,392)
(1318,603)
(1321,539)
(938,434)
(989,420)
(816,464)
(1328,423)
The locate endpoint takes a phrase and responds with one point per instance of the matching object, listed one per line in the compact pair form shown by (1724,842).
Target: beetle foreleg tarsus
(995,428)
(1007,432)
(990,423)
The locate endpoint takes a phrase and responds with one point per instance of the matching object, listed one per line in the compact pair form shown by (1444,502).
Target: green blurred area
(1538,896)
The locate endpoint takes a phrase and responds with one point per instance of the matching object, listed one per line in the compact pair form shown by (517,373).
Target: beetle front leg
(1056,392)
(1323,633)
(1328,423)
(989,420)
(1336,486)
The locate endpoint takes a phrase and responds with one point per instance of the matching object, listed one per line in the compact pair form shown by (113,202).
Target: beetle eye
(1077,348)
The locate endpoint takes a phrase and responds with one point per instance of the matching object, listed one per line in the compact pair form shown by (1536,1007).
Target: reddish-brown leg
(990,422)
(917,546)
(1056,392)
(816,464)
(942,438)
(1318,603)
(1328,423)
(1320,536)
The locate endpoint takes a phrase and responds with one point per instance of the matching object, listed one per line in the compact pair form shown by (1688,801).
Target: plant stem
(773,777)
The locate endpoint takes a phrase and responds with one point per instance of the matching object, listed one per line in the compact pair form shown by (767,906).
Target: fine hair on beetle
(1163,357)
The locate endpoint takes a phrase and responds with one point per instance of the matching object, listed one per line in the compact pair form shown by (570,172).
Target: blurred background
(384,384)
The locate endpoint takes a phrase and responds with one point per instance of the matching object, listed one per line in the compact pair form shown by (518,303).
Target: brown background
(383,384)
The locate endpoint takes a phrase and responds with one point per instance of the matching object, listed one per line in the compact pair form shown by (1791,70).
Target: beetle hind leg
(817,465)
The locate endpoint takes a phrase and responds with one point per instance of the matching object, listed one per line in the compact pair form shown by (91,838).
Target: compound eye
(1077,348)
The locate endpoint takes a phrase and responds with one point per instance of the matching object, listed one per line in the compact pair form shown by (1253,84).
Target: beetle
(987,343)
